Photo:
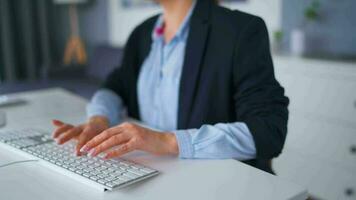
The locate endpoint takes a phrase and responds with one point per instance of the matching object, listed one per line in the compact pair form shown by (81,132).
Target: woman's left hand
(128,137)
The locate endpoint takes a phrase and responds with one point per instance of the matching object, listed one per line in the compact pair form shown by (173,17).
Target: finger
(109,143)
(57,122)
(84,137)
(71,133)
(123,149)
(61,130)
(101,138)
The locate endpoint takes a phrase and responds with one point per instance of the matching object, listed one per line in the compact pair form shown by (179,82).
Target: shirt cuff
(186,149)
(105,103)
(95,110)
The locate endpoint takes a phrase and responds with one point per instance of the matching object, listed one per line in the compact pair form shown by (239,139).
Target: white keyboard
(97,172)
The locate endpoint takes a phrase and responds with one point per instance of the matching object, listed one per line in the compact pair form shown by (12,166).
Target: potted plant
(278,41)
(311,13)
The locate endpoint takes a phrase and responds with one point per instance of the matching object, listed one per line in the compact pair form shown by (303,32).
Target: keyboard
(97,172)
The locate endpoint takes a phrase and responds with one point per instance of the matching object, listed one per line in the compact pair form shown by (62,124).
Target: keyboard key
(72,169)
(125,163)
(118,182)
(124,178)
(101,181)
(136,167)
(87,170)
(147,170)
(95,178)
(110,184)
(119,171)
(94,172)
(131,175)
(102,175)
(106,171)
(137,172)
(80,167)
(110,178)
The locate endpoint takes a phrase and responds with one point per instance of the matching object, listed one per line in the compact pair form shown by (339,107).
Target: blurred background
(74,44)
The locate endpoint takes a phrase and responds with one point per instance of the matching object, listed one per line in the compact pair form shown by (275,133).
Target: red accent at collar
(160,30)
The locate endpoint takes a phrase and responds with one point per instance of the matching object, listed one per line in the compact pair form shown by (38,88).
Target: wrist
(171,143)
(102,121)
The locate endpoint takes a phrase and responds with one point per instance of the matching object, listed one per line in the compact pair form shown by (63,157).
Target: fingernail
(91,152)
(106,157)
(84,149)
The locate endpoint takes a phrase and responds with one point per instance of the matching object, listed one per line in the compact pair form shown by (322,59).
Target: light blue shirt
(158,92)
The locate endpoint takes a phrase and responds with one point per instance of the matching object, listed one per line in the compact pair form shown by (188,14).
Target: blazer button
(349,192)
(353,149)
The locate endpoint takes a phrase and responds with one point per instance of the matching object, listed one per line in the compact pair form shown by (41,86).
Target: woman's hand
(128,137)
(83,133)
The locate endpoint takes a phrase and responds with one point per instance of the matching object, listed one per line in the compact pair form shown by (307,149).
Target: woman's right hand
(82,133)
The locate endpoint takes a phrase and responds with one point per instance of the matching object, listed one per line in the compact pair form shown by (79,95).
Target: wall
(122,21)
(94,22)
(333,35)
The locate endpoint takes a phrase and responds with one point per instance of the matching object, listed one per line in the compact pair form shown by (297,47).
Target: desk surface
(179,179)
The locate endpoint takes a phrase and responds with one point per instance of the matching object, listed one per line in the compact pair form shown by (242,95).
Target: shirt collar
(182,31)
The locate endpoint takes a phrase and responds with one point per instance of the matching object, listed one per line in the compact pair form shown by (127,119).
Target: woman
(203,76)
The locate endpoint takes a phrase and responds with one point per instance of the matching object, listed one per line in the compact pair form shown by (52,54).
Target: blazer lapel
(198,33)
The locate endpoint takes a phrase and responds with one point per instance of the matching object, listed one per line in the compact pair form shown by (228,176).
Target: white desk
(179,179)
(321,127)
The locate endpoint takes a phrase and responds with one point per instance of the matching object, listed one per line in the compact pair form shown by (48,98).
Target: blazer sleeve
(259,98)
